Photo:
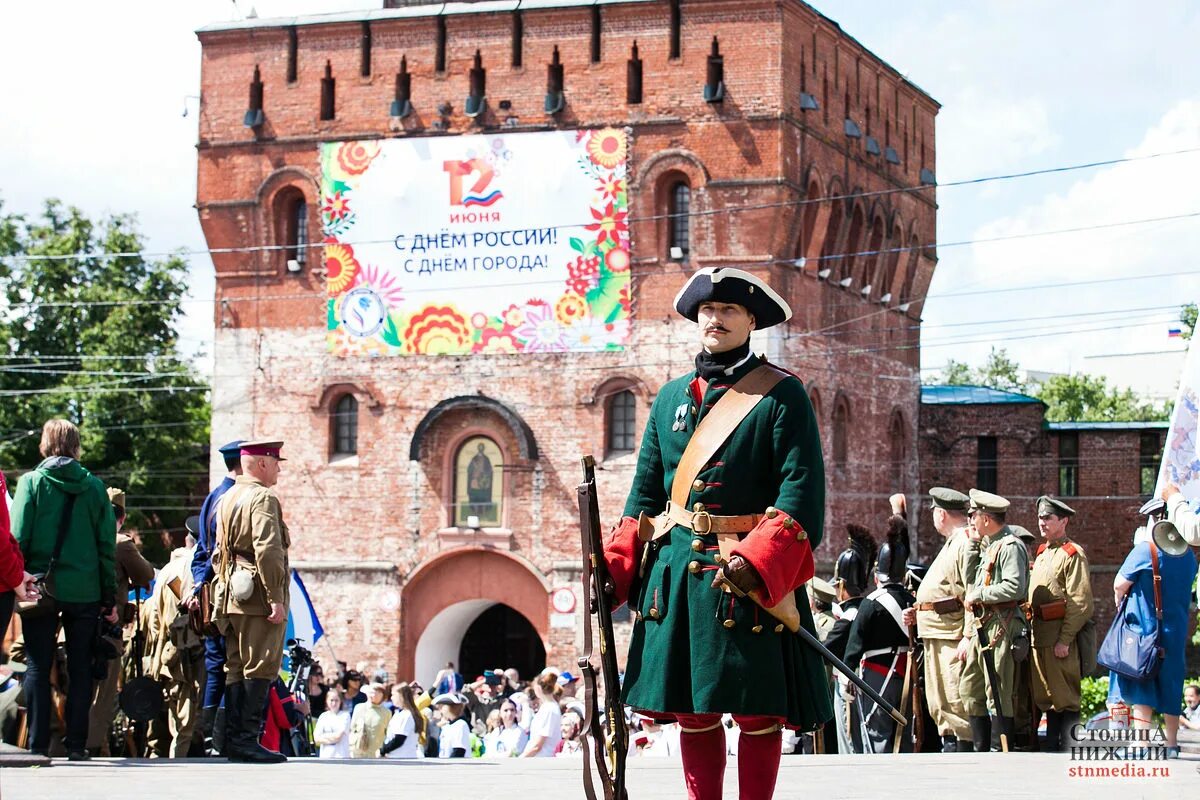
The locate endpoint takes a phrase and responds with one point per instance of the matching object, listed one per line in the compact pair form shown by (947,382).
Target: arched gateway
(473,606)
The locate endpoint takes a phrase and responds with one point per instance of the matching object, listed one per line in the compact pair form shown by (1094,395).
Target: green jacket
(86,571)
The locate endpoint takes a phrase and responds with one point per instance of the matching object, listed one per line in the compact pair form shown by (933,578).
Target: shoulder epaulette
(1070,548)
(1041,548)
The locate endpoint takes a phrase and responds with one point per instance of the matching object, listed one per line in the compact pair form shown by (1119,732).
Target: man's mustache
(721,328)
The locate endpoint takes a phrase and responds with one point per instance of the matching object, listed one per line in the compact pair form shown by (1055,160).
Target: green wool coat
(683,657)
(86,571)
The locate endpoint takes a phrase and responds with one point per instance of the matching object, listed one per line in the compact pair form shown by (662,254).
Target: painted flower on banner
(355,157)
(383,282)
(437,330)
(609,225)
(340,266)
(570,308)
(583,274)
(495,341)
(617,260)
(512,316)
(541,332)
(335,207)
(612,187)
(607,147)
(479,320)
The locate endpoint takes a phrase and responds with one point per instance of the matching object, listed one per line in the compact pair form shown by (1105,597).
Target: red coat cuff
(12,564)
(623,556)
(779,551)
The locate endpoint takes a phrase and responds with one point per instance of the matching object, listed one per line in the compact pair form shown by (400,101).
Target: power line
(184,252)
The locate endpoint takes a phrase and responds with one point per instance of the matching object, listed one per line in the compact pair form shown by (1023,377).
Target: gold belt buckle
(696,517)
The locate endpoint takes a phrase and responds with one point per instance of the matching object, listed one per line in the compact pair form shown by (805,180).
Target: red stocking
(758,756)
(702,746)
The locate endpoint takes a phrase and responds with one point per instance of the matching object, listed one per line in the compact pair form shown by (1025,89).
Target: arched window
(910,272)
(291,219)
(345,426)
(814,397)
(679,232)
(899,451)
(844,266)
(478,483)
(808,223)
(622,408)
(841,424)
(833,233)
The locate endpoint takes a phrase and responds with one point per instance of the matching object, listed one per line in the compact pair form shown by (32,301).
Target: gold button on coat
(778,628)
(654,614)
(728,623)
(801,536)
(698,507)
(698,484)
(757,629)
(694,567)
(697,545)
(772,512)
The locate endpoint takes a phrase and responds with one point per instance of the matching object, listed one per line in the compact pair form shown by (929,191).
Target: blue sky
(1024,85)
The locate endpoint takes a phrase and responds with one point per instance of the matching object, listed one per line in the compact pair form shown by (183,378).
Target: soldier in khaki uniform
(940,618)
(251,597)
(995,620)
(1060,600)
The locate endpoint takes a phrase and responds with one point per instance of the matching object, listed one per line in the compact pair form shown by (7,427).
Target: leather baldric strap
(719,424)
(1157,579)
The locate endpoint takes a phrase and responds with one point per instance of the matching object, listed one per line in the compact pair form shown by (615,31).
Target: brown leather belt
(702,522)
(932,606)
(1000,606)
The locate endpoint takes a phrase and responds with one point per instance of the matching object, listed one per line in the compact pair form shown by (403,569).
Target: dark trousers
(79,622)
(7,601)
(214,666)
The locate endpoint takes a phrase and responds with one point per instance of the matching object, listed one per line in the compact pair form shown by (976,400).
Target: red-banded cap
(263,447)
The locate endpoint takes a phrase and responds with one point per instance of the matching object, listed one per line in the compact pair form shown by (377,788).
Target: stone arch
(276,200)
(888,285)
(870,265)
(813,219)
(522,433)
(855,237)
(443,595)
(841,431)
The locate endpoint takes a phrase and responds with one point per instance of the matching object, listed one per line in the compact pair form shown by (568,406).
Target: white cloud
(1134,190)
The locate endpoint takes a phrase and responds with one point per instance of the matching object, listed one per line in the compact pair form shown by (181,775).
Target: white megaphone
(1165,535)
(1168,538)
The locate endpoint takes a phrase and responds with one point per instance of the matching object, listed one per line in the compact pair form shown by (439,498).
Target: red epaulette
(1041,548)
(1070,549)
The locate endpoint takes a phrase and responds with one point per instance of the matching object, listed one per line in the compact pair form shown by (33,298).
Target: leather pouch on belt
(785,610)
(947,605)
(1055,609)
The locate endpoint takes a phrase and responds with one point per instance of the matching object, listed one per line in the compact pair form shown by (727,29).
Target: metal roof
(435,9)
(971,395)
(1108,426)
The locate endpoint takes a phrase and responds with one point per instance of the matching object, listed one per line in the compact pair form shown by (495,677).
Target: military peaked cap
(1052,506)
(116,497)
(950,500)
(263,447)
(1022,533)
(822,590)
(988,502)
(729,285)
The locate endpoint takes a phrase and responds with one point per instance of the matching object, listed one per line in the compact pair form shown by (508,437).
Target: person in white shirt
(406,729)
(1182,514)
(545,732)
(455,740)
(507,739)
(332,730)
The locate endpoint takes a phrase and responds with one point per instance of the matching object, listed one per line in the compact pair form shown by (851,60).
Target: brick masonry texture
(373,534)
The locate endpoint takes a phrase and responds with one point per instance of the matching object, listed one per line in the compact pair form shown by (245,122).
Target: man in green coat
(61,496)
(747,513)
(996,621)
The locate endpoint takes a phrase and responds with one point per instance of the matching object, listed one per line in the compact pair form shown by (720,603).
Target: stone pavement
(1016,775)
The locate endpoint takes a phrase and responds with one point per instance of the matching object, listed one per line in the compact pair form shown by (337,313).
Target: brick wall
(363,528)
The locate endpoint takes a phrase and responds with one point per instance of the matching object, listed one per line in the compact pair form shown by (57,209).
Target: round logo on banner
(563,600)
(363,312)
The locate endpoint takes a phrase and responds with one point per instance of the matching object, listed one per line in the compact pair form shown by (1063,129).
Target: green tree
(1089,397)
(93,339)
(1187,315)
(998,372)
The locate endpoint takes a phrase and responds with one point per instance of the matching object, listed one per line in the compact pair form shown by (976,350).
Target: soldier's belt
(986,608)
(702,522)
(945,605)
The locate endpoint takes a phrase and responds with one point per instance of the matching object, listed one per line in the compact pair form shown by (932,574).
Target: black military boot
(981,733)
(1008,729)
(966,746)
(949,744)
(234,698)
(253,707)
(208,717)
(1070,721)
(220,729)
(1054,721)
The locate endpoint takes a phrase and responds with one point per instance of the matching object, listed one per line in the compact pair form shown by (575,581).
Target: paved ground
(1017,775)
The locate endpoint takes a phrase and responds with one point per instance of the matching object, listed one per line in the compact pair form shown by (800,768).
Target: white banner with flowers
(514,243)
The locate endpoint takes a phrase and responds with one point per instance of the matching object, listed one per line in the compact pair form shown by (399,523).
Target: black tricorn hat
(729,285)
